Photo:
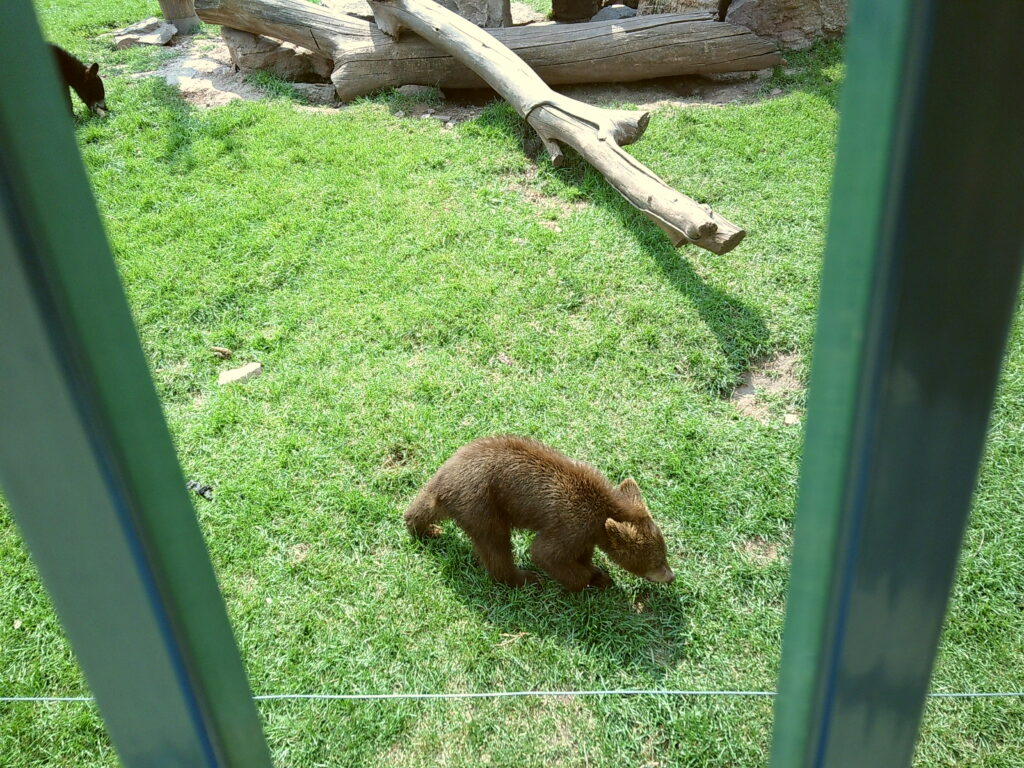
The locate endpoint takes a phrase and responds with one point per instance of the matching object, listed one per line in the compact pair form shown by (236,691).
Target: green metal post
(86,460)
(919,287)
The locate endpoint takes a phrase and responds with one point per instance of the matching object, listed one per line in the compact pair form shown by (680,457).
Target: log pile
(367,60)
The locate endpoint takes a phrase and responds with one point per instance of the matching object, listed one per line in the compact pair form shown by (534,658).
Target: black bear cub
(83,80)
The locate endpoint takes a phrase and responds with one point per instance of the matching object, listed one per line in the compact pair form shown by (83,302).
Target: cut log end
(629,125)
(387,22)
(721,242)
(554,150)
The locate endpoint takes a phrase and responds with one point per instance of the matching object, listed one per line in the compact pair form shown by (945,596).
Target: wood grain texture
(367,60)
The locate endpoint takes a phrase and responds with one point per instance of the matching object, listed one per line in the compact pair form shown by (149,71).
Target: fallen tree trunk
(640,48)
(593,132)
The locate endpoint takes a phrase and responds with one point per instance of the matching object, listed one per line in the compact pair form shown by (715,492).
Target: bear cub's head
(635,542)
(92,91)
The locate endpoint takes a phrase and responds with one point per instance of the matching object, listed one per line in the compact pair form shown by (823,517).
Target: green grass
(378,267)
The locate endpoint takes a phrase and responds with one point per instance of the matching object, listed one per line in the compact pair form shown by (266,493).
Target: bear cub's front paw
(525,578)
(600,579)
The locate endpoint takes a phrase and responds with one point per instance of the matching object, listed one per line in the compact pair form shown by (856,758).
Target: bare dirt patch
(685,91)
(772,378)
(205,75)
(759,550)
(449,114)
(396,458)
(298,552)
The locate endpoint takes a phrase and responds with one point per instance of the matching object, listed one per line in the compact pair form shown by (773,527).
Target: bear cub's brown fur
(495,484)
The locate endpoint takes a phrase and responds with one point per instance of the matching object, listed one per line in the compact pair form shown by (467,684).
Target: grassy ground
(405,296)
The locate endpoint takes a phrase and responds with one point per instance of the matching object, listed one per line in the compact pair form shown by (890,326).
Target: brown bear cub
(495,484)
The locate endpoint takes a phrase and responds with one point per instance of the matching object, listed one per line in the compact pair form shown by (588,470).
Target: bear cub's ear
(631,490)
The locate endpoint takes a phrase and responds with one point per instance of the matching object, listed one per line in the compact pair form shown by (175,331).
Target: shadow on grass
(740,329)
(634,626)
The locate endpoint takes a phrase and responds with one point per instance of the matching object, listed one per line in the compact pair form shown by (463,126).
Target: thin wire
(504,694)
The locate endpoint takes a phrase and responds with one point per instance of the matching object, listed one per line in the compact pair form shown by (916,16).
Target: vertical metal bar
(86,460)
(920,279)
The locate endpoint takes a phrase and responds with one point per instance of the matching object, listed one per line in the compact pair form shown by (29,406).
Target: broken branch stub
(595,133)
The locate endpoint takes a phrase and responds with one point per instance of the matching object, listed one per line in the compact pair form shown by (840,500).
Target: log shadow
(163,105)
(639,628)
(740,330)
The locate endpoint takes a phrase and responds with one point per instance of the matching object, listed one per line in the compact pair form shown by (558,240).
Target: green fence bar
(919,287)
(86,460)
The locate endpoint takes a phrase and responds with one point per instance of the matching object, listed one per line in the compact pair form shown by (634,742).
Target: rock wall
(792,23)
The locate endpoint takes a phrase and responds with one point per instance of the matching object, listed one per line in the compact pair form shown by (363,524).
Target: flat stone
(316,94)
(151,31)
(613,13)
(417,91)
(247,371)
(791,419)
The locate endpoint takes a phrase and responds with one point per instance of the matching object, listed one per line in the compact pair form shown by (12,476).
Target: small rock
(17,623)
(449,125)
(776,91)
(151,31)
(424,116)
(791,419)
(247,371)
(417,91)
(614,12)
(222,352)
(442,118)
(206,491)
(316,94)
(270,600)
(399,113)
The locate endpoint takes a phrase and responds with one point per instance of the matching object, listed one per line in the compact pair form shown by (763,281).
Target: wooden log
(593,132)
(182,14)
(640,48)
